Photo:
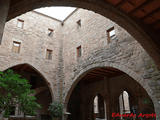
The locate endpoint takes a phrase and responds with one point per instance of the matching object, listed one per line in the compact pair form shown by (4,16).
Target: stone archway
(139,80)
(39,84)
(12,65)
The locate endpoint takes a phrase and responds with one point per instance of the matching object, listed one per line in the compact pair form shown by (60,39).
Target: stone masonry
(64,71)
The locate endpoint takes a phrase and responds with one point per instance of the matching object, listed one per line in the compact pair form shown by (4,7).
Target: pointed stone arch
(140,80)
(36,70)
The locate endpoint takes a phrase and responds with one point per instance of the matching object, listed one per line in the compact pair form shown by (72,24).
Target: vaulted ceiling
(101,73)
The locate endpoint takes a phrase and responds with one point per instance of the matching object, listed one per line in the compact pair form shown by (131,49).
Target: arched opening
(95,104)
(124,102)
(119,18)
(110,84)
(41,87)
(99,107)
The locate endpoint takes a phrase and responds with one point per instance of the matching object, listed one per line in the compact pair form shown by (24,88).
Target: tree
(28,105)
(15,90)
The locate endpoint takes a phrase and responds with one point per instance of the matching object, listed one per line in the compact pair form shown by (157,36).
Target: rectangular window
(20,23)
(16,47)
(50,32)
(79,51)
(49,54)
(110,34)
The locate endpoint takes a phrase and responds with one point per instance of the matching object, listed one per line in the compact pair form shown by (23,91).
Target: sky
(59,13)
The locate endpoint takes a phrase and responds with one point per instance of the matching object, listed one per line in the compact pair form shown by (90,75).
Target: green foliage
(16,90)
(28,104)
(56,109)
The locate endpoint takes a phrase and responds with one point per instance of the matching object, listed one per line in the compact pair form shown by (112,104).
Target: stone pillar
(108,112)
(16,110)
(82,104)
(108,99)
(4,5)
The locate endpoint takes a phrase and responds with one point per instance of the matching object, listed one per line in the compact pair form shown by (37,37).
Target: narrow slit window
(16,47)
(20,23)
(124,103)
(50,32)
(110,33)
(99,108)
(79,51)
(49,54)
(96,109)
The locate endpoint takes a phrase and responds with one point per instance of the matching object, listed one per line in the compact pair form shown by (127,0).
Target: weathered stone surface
(65,69)
(109,9)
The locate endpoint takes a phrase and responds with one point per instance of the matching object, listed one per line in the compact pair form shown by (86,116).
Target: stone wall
(123,52)
(109,88)
(34,42)
(64,71)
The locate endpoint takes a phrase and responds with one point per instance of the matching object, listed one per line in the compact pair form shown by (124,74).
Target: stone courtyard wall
(65,70)
(34,42)
(123,52)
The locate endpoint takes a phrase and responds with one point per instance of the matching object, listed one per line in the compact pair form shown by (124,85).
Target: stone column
(4,5)
(108,99)
(16,110)
(108,108)
(82,104)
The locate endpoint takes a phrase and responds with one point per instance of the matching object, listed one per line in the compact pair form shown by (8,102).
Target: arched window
(99,107)
(124,103)
(96,109)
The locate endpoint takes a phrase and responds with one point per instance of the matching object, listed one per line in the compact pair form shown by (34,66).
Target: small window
(99,108)
(124,103)
(20,23)
(79,51)
(49,54)
(16,47)
(96,109)
(50,32)
(110,33)
(79,22)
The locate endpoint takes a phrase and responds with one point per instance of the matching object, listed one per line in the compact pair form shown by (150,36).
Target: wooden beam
(155,23)
(92,74)
(100,73)
(140,6)
(157,29)
(112,69)
(131,3)
(106,71)
(89,76)
(122,2)
(150,14)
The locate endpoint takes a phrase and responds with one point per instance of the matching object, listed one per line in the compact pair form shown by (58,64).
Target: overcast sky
(59,13)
